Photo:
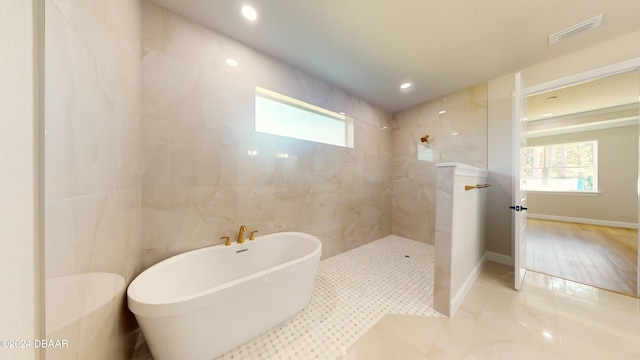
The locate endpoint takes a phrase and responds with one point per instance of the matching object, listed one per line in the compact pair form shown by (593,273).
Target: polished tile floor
(549,318)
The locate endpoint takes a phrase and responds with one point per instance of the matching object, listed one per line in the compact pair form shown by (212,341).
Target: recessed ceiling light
(231,62)
(547,114)
(249,13)
(405,86)
(454,133)
(442,112)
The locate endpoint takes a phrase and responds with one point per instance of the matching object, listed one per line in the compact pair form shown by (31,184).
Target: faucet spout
(243,229)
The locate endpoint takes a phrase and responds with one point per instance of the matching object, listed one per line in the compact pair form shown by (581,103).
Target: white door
(638,248)
(519,181)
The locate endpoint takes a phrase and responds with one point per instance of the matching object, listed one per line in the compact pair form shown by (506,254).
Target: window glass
(562,167)
(278,114)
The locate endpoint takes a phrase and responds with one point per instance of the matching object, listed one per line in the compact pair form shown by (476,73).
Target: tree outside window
(562,167)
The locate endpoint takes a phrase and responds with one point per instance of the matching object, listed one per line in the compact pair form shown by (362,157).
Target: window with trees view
(563,167)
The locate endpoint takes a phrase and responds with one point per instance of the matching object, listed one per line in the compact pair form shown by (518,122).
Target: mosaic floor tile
(352,292)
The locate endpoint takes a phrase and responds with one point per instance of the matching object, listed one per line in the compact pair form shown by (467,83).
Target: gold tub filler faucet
(240,239)
(241,232)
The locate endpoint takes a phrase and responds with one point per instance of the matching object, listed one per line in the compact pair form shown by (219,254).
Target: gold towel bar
(479,186)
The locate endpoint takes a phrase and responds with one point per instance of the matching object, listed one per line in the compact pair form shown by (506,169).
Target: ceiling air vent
(575,29)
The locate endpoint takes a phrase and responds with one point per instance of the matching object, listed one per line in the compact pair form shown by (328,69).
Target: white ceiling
(610,92)
(370,47)
(607,102)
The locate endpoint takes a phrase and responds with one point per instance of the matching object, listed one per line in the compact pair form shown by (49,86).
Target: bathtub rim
(143,307)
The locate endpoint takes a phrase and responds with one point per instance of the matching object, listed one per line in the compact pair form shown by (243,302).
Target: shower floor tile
(352,292)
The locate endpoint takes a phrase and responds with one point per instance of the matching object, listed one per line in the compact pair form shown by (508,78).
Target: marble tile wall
(92,174)
(459,135)
(200,183)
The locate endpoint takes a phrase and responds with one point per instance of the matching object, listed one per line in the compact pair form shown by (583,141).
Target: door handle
(518,208)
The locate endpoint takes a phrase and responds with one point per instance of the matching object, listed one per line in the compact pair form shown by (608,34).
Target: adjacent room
(582,172)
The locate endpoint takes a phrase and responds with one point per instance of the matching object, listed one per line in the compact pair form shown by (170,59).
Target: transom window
(563,167)
(278,114)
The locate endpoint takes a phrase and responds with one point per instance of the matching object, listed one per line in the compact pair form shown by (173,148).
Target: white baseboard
(619,224)
(499,258)
(461,294)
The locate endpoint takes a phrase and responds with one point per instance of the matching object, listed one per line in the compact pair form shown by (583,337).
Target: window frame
(546,169)
(267,94)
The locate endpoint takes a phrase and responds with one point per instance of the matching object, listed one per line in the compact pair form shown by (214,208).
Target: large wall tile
(459,135)
(199,181)
(92,169)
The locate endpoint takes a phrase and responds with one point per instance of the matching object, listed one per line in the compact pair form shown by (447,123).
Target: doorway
(582,181)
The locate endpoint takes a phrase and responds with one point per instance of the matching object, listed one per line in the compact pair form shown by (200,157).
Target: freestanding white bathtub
(203,303)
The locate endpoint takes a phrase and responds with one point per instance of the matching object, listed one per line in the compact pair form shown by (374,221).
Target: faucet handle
(227,242)
(251,236)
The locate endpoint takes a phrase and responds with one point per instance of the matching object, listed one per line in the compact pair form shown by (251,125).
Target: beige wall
(20,195)
(500,148)
(199,183)
(414,171)
(617,179)
(92,184)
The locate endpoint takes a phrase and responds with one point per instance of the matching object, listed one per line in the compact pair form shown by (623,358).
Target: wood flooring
(600,256)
